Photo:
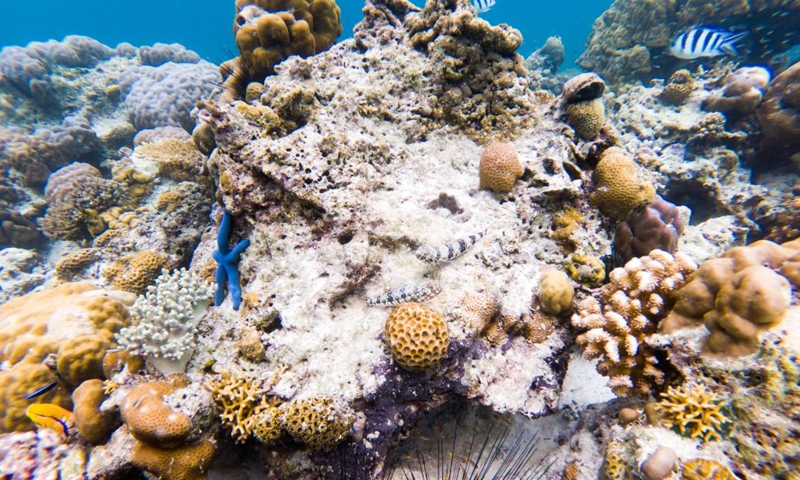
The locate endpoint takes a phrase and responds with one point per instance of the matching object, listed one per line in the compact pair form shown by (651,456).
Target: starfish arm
(234,286)
(223,233)
(221,279)
(233,255)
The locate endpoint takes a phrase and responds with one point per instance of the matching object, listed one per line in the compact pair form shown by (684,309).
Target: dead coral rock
(741,92)
(479,82)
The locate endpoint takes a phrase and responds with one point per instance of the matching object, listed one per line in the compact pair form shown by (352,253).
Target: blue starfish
(228,264)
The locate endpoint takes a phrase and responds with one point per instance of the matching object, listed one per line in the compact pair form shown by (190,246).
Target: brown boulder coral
(621,187)
(738,295)
(269,31)
(679,86)
(499,168)
(779,115)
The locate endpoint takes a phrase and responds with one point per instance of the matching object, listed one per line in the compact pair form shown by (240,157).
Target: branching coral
(238,398)
(617,326)
(693,411)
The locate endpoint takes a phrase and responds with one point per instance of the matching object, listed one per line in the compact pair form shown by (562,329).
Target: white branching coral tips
(448,251)
(415,292)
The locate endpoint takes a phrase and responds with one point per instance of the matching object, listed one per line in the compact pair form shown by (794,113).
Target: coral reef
(478,80)
(620,185)
(499,168)
(164,95)
(134,273)
(164,320)
(417,336)
(320,422)
(75,322)
(586,269)
(556,292)
(94,425)
(77,195)
(618,323)
(630,40)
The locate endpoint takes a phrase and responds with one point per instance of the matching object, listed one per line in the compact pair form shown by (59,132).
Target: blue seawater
(206,26)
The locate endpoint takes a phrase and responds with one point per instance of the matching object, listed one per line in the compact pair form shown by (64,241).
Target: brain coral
(617,325)
(620,185)
(499,168)
(74,321)
(269,31)
(417,336)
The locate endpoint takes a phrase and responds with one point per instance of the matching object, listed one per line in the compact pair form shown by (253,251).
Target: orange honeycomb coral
(499,168)
(417,336)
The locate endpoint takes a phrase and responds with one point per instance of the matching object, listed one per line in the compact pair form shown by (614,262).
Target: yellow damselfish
(51,416)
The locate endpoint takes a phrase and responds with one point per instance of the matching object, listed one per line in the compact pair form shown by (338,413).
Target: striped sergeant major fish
(482,6)
(705,42)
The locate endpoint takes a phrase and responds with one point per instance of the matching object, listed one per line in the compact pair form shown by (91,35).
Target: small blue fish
(482,6)
(705,42)
(41,391)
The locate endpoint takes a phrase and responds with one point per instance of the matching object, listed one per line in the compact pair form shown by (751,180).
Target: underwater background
(205,27)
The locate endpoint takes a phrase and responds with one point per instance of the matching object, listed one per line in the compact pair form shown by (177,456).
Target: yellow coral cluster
(134,273)
(693,411)
(319,422)
(586,269)
(499,168)
(738,295)
(705,469)
(238,398)
(417,336)
(617,325)
(74,321)
(620,186)
(556,292)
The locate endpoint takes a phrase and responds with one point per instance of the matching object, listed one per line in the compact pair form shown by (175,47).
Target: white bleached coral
(616,325)
(165,320)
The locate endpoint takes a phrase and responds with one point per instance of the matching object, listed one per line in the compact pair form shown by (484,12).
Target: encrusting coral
(586,269)
(620,185)
(617,325)
(499,168)
(738,295)
(320,422)
(417,336)
(165,319)
(134,273)
(693,411)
